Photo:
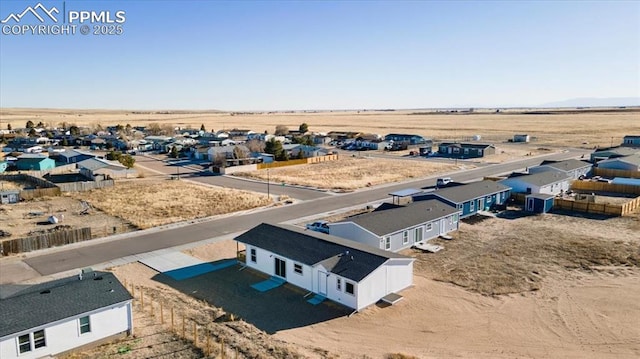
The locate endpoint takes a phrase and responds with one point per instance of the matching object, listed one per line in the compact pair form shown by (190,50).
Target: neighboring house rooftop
(466,144)
(633,159)
(73,153)
(390,218)
(343,257)
(541,178)
(35,156)
(93,164)
(618,151)
(469,191)
(566,165)
(48,302)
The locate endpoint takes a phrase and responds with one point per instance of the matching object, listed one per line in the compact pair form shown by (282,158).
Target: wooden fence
(611,173)
(302,161)
(55,239)
(588,207)
(588,186)
(43,188)
(179,324)
(104,231)
(85,185)
(56,170)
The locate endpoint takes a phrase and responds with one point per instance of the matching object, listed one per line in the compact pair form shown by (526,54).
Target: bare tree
(281,130)
(240,152)
(255,145)
(220,160)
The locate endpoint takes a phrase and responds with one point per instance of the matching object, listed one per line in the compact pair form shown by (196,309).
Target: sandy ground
(24,217)
(350,173)
(579,128)
(564,299)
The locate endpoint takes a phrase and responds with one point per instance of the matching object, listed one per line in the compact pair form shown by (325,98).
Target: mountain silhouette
(34,12)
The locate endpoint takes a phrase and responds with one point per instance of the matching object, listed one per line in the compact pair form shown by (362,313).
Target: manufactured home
(59,316)
(350,273)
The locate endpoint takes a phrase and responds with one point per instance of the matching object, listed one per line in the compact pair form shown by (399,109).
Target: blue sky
(268,55)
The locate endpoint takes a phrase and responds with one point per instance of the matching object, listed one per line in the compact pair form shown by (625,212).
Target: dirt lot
(350,173)
(130,205)
(152,202)
(569,128)
(24,217)
(520,286)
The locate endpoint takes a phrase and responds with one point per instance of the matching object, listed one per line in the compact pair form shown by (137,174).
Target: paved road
(89,255)
(194,172)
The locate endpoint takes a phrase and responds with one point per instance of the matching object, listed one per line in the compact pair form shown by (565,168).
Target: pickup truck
(319,226)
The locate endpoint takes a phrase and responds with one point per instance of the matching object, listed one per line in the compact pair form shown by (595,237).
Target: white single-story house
(547,182)
(395,227)
(9,196)
(626,163)
(59,316)
(572,168)
(350,273)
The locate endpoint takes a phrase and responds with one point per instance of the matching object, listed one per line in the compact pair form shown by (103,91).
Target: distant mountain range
(594,102)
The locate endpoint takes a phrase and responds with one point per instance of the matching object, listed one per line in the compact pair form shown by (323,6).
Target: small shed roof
(542,196)
(566,165)
(405,192)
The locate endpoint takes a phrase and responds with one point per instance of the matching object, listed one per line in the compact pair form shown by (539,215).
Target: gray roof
(48,302)
(343,257)
(73,153)
(469,191)
(540,178)
(619,151)
(467,144)
(406,192)
(391,219)
(96,164)
(543,196)
(566,165)
(633,159)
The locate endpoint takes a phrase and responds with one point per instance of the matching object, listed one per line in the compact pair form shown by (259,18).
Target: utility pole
(268,183)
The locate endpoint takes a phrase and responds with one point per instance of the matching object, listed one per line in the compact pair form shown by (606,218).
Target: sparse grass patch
(350,173)
(149,203)
(499,256)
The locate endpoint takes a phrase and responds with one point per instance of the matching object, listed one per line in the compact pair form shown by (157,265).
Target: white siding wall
(354,232)
(341,296)
(65,335)
(393,276)
(265,263)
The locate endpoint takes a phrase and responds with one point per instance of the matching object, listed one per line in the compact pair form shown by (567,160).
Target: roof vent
(46,291)
(97,278)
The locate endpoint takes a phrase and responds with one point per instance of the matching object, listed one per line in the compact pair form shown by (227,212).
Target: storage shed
(539,202)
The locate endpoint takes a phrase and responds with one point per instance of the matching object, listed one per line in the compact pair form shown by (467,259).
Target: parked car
(319,226)
(441,182)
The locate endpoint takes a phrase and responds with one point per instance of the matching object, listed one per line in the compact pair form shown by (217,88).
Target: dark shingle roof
(541,178)
(466,144)
(469,191)
(59,299)
(393,219)
(313,248)
(566,165)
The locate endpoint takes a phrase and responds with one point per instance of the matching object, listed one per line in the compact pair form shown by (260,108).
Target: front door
(281,268)
(481,204)
(322,283)
(530,204)
(443,226)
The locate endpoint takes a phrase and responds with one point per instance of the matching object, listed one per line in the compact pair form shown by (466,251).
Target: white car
(319,226)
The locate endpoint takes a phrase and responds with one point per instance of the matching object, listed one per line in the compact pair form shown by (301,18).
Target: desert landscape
(502,288)
(550,127)
(555,285)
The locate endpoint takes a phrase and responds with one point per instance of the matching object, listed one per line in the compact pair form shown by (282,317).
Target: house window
(456,150)
(339,285)
(348,287)
(466,151)
(24,343)
(297,268)
(429,227)
(488,199)
(38,339)
(387,243)
(472,205)
(455,218)
(253,255)
(460,207)
(85,325)
(479,152)
(405,237)
(451,220)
